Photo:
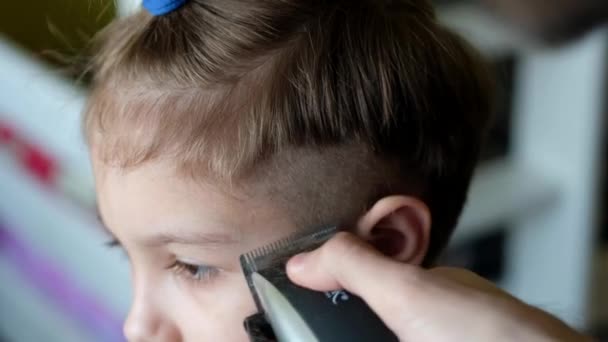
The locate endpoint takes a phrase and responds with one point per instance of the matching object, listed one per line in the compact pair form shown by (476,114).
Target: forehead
(154,198)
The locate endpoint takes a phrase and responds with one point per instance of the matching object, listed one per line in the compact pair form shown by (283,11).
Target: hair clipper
(288,312)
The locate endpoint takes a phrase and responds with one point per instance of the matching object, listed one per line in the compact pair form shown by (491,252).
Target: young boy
(219,126)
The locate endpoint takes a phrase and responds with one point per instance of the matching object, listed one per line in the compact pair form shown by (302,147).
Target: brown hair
(346,100)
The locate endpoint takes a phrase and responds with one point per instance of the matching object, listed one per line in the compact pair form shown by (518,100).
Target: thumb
(347,262)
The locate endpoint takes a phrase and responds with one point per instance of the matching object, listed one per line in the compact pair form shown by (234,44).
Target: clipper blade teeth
(268,255)
(272,257)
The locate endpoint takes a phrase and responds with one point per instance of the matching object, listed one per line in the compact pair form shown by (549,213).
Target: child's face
(184,240)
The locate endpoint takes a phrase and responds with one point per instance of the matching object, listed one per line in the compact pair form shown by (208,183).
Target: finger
(347,262)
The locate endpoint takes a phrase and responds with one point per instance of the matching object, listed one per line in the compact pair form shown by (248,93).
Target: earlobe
(399,227)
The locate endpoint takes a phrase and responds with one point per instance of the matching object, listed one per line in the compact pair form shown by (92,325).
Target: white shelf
(71,236)
(485,30)
(45,107)
(501,191)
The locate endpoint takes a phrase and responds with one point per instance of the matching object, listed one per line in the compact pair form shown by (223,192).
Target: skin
(161,219)
(440,304)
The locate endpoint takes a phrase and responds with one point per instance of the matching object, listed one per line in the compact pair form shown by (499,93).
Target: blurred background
(536,221)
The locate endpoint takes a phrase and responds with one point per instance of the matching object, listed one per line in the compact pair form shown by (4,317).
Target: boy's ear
(399,227)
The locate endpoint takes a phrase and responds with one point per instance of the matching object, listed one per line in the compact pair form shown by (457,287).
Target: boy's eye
(197,273)
(113,243)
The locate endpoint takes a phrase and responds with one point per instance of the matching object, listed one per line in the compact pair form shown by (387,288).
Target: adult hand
(441,304)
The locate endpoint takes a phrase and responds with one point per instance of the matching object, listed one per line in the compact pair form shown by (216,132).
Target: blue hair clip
(162,7)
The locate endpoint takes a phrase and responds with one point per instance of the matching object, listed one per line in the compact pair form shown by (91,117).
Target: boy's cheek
(219,311)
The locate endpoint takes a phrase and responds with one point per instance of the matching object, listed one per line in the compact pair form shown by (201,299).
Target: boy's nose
(146,322)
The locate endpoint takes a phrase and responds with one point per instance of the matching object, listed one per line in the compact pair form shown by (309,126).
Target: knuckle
(342,245)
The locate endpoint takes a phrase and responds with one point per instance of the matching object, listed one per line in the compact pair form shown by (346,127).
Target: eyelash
(189,271)
(196,273)
(113,243)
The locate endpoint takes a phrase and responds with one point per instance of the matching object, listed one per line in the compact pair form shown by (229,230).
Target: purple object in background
(70,299)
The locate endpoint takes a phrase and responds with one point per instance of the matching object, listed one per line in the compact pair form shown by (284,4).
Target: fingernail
(297,262)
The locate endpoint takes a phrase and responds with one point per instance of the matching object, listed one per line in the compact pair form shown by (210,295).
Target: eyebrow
(191,238)
(182,238)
